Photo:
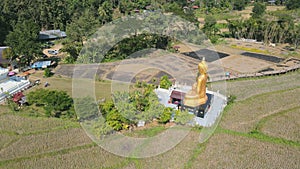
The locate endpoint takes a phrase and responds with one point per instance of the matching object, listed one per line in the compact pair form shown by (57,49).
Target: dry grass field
(260,130)
(244,89)
(285,125)
(102,89)
(230,151)
(244,115)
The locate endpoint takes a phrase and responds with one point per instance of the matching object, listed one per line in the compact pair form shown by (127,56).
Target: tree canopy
(23,40)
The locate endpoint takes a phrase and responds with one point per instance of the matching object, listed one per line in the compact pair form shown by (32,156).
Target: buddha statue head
(202,67)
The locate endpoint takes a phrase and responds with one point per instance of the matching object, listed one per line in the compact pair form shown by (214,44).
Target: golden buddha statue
(197,96)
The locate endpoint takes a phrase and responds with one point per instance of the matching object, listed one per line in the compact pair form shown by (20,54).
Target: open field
(244,115)
(244,89)
(39,142)
(284,124)
(230,151)
(30,125)
(44,143)
(102,89)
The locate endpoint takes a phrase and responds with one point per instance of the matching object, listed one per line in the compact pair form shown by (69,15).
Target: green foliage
(98,126)
(8,54)
(4,30)
(82,27)
(177,9)
(183,117)
(211,29)
(14,107)
(258,10)
(165,83)
(55,103)
(116,120)
(86,108)
(239,5)
(128,108)
(231,99)
(166,115)
(24,41)
(154,110)
(47,72)
(292,4)
(136,43)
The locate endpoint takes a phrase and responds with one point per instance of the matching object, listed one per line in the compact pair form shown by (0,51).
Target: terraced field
(260,130)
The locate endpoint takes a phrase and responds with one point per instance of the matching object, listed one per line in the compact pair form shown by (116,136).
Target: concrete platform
(217,104)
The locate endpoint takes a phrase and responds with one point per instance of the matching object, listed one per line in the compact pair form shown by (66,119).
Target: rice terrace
(149,84)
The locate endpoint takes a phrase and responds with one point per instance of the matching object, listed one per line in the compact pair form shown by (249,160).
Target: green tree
(81,28)
(166,115)
(292,4)
(86,108)
(24,41)
(239,5)
(183,117)
(258,10)
(55,103)
(105,12)
(165,83)
(210,28)
(8,54)
(116,120)
(47,72)
(4,30)
(295,36)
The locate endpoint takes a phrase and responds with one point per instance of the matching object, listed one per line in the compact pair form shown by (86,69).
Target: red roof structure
(177,95)
(18,96)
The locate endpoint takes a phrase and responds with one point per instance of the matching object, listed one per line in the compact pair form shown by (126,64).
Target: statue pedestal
(198,111)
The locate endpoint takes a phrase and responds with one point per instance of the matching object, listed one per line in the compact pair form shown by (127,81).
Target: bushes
(166,115)
(55,103)
(183,117)
(165,83)
(47,72)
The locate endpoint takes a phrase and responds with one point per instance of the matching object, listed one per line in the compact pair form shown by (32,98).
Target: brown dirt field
(43,143)
(244,115)
(285,126)
(228,151)
(242,64)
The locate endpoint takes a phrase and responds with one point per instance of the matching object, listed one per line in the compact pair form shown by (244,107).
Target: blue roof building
(41,64)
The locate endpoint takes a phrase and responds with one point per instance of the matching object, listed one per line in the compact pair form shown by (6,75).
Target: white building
(10,85)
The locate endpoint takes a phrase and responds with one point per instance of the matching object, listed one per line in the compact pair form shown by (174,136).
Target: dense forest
(21,21)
